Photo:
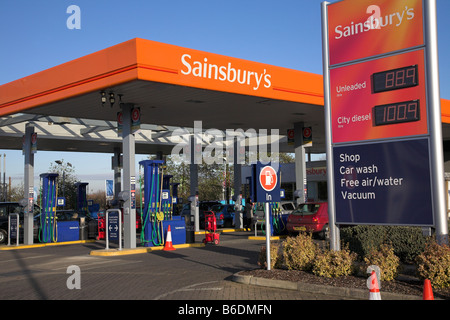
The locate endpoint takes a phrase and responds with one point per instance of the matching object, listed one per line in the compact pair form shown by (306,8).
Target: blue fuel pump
(175,200)
(157,206)
(82,203)
(48,228)
(166,197)
(150,208)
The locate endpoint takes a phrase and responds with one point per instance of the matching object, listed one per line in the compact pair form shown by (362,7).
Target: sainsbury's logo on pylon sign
(228,72)
(375,22)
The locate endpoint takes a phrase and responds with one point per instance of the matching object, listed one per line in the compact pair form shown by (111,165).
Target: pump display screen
(400,112)
(395,79)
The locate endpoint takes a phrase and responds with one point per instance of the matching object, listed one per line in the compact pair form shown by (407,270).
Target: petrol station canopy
(173,86)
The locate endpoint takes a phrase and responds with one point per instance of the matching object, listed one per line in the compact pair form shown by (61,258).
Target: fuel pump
(279,226)
(82,208)
(251,186)
(151,213)
(82,203)
(166,198)
(156,206)
(195,210)
(48,228)
(175,200)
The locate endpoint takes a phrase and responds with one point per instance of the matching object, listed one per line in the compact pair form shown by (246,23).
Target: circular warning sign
(135,114)
(291,134)
(268,178)
(34,138)
(120,117)
(307,132)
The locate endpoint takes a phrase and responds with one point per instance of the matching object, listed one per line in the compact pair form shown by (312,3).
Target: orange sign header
(363,28)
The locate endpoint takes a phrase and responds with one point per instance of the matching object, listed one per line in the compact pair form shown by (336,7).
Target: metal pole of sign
(120,230)
(267,235)
(107,230)
(334,229)
(437,158)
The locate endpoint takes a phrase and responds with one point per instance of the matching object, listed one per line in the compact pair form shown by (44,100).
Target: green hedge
(408,242)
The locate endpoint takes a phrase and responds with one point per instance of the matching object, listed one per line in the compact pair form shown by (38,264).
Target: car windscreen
(288,206)
(306,209)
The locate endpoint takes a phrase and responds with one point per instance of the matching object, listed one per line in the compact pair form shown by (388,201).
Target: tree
(99,197)
(212,181)
(16,193)
(181,175)
(66,182)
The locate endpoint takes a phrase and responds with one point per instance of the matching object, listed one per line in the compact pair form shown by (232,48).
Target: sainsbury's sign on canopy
(225,72)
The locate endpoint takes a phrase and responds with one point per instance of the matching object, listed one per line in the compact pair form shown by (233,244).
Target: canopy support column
(129,179)
(28,185)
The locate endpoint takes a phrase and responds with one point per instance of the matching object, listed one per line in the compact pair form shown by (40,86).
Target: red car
(311,217)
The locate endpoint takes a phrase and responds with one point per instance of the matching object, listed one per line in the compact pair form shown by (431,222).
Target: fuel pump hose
(156,236)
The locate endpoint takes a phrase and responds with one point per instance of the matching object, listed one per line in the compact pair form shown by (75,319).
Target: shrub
(407,242)
(332,264)
(385,259)
(299,252)
(434,264)
(275,256)
(361,239)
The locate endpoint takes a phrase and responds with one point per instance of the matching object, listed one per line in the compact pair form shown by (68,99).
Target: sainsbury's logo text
(225,72)
(375,21)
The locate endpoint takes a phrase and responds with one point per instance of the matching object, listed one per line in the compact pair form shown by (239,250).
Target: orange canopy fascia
(445,110)
(140,59)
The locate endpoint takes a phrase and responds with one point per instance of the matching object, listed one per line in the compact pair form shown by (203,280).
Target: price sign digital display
(379,99)
(401,112)
(395,79)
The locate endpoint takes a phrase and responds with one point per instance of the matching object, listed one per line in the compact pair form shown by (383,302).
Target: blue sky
(285,33)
